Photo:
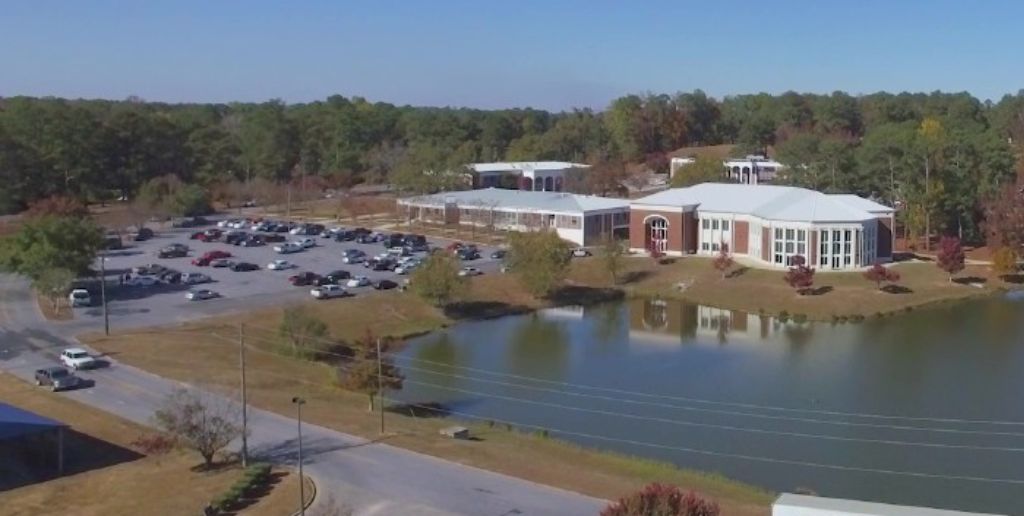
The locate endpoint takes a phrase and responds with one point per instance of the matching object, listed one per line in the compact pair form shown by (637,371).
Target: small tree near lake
(723,261)
(661,500)
(950,257)
(540,259)
(302,333)
(437,281)
(879,274)
(612,255)
(800,276)
(1004,261)
(201,423)
(360,373)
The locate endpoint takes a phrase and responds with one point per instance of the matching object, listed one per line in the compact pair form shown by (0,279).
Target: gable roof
(15,422)
(772,202)
(522,199)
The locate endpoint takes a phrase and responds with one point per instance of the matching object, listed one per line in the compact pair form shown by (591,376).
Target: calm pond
(923,408)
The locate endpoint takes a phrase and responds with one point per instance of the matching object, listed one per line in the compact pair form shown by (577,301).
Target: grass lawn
(97,485)
(754,290)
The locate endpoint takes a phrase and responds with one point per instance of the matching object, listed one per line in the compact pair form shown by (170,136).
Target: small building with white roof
(581,219)
(751,169)
(765,224)
(539,176)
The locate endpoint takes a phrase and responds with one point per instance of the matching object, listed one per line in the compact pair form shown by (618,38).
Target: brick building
(767,225)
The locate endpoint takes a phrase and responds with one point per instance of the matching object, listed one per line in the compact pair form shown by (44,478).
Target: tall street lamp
(299,402)
(103,294)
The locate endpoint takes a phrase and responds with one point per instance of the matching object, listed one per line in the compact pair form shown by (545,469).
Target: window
(778,233)
(725,225)
(658,233)
(704,246)
(714,224)
(714,246)
(789,234)
(705,224)
(838,250)
(789,242)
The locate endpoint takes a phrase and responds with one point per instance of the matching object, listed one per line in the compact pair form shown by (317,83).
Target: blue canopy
(16,422)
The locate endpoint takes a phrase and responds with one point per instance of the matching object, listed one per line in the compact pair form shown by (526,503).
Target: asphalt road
(132,307)
(370,478)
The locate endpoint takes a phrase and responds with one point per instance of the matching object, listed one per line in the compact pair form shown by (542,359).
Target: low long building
(544,176)
(767,225)
(581,219)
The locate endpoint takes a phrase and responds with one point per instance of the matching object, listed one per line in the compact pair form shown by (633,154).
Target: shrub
(153,444)
(800,318)
(662,500)
(856,318)
(783,316)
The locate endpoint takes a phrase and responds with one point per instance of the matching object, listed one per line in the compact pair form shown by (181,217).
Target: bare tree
(199,422)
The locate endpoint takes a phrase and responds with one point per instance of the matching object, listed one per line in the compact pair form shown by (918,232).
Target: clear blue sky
(544,53)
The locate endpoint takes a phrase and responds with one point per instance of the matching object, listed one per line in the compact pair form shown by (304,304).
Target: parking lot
(163,303)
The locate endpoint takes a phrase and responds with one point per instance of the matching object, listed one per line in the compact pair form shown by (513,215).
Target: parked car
(280,265)
(379,264)
(151,269)
(77,358)
(298,230)
(143,234)
(190,222)
(345,236)
(80,297)
(245,267)
(272,238)
(353,256)
(194,278)
(201,294)
(304,279)
(56,378)
(287,248)
(306,243)
(499,254)
(235,237)
(337,276)
(470,271)
(580,252)
(221,263)
(173,251)
(170,276)
(210,235)
(385,284)
(467,253)
(328,291)
(398,252)
(253,241)
(407,267)
(140,281)
(358,281)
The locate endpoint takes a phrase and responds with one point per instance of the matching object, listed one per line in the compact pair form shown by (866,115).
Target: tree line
(938,154)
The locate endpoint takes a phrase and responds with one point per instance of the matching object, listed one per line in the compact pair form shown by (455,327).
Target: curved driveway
(369,478)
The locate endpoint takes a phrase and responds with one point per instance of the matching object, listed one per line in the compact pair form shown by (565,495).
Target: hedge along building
(580,219)
(768,225)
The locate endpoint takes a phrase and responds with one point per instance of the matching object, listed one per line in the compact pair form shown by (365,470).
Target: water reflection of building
(565,312)
(678,321)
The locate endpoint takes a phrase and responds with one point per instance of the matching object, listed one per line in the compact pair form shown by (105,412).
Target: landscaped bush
(856,318)
(254,476)
(783,316)
(799,318)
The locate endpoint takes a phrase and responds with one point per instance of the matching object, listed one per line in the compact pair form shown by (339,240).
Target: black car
(377,264)
(499,254)
(273,238)
(385,285)
(337,276)
(143,234)
(345,236)
(235,237)
(281,228)
(245,267)
(172,252)
(467,254)
(253,241)
(170,276)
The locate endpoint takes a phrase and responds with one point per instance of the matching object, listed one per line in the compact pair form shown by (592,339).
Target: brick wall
(638,232)
(741,236)
(766,244)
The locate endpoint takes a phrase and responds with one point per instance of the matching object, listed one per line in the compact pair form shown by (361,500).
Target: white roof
(771,202)
(524,165)
(837,507)
(526,200)
(75,350)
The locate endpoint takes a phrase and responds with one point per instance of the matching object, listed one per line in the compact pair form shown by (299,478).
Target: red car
(210,256)
(454,247)
(209,235)
(303,279)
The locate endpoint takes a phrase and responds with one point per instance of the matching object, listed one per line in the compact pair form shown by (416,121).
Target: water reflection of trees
(444,349)
(607,324)
(798,335)
(539,347)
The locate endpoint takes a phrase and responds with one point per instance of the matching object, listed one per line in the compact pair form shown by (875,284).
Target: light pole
(299,402)
(103,294)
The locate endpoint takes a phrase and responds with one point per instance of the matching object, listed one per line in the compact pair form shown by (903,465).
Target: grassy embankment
(203,353)
(106,476)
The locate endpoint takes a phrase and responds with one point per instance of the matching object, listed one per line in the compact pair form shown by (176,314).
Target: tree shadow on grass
(1016,279)
(420,410)
(896,289)
(969,280)
(635,276)
(816,291)
(735,273)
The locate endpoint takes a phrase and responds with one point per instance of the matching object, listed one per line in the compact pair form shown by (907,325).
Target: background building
(767,225)
(751,170)
(540,176)
(580,219)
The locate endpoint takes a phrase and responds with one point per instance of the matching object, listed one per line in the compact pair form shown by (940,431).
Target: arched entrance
(525,183)
(549,184)
(656,233)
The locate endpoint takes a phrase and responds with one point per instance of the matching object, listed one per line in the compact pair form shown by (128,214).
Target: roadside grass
(62,313)
(156,484)
(756,290)
(203,353)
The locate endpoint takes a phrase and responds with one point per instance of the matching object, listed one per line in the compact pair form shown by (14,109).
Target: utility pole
(302,492)
(245,405)
(380,386)
(103,294)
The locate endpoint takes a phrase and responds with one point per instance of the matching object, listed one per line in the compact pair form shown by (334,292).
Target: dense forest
(938,156)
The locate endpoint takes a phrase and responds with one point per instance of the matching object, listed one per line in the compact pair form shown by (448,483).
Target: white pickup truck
(77,358)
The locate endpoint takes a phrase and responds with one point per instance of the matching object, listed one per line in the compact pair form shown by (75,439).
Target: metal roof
(785,203)
(522,200)
(16,422)
(505,166)
(836,506)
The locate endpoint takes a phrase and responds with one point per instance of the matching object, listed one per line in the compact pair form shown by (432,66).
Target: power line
(749,406)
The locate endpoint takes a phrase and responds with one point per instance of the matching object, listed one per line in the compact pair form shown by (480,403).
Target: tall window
(788,242)
(659,233)
(837,248)
(713,233)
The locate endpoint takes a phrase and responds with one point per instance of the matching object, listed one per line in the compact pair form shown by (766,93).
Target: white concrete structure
(538,176)
(802,505)
(766,225)
(749,170)
(580,219)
